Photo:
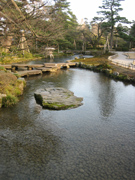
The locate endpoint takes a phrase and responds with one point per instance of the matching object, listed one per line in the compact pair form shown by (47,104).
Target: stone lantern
(49,52)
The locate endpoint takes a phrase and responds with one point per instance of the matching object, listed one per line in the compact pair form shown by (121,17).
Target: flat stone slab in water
(57,98)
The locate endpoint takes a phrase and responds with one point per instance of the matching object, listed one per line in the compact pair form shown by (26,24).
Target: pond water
(95,141)
(57,59)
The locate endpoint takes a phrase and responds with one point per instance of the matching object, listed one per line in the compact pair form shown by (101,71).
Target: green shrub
(104,66)
(25,55)
(17,75)
(28,55)
(20,55)
(18,92)
(122,49)
(122,77)
(9,100)
(2,68)
(125,49)
(4,53)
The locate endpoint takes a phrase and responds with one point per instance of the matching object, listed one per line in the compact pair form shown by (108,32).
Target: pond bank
(10,59)
(11,88)
(97,64)
(112,71)
(103,65)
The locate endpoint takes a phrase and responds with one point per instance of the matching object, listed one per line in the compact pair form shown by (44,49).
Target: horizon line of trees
(52,23)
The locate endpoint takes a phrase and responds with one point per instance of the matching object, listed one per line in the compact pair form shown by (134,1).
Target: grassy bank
(16,59)
(10,88)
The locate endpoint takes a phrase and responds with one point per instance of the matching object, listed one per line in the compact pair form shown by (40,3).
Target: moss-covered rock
(57,98)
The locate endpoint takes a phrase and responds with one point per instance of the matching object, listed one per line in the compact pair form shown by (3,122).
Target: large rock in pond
(57,98)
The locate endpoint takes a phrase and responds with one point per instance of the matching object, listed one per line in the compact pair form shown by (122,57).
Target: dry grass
(6,80)
(95,60)
(12,87)
(124,71)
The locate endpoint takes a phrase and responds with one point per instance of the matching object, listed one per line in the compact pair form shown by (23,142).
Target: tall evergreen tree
(132,35)
(110,11)
(70,24)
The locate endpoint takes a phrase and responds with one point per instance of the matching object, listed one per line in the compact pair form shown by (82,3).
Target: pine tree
(110,11)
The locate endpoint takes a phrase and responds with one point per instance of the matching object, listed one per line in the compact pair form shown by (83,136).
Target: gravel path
(123,59)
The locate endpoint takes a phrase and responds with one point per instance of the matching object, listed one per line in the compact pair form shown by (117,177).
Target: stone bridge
(35,69)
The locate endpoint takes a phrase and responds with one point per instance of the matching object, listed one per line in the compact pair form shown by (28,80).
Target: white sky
(88,8)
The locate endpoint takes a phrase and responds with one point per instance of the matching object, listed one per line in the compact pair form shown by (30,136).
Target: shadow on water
(106,96)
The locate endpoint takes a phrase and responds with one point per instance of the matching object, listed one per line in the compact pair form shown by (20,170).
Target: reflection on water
(106,95)
(93,141)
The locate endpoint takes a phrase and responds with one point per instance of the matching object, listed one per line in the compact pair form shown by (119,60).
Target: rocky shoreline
(118,74)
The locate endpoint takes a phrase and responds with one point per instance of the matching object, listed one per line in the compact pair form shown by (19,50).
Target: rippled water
(95,141)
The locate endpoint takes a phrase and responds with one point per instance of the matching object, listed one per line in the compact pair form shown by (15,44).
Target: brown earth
(124,71)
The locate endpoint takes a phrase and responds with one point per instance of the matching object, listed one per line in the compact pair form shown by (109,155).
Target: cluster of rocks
(108,72)
(57,98)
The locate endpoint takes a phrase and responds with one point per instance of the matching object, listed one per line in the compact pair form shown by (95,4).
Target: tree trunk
(36,44)
(111,40)
(74,43)
(116,45)
(112,24)
(58,49)
(130,45)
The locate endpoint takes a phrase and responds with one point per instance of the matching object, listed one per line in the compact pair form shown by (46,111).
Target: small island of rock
(57,98)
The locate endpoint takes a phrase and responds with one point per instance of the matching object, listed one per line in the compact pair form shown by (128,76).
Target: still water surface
(95,141)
